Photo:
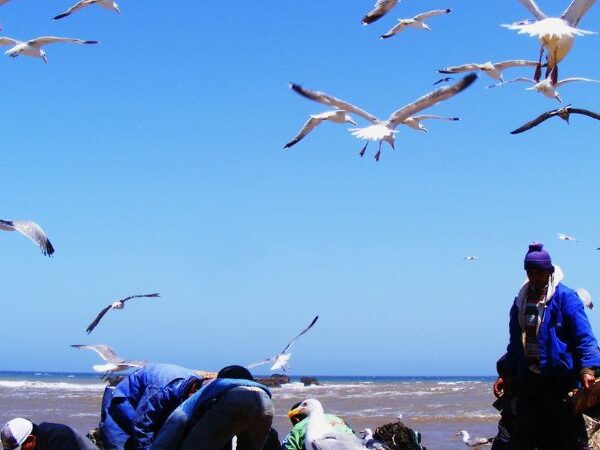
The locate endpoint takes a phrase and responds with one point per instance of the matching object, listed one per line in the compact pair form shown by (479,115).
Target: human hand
(499,387)
(587,381)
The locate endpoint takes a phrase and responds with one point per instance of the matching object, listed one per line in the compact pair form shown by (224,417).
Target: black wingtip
(91,42)
(60,16)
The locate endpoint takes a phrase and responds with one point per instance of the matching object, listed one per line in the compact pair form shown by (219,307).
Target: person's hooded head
(235,372)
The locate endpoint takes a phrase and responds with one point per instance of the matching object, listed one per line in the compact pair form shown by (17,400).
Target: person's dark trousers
(505,425)
(245,412)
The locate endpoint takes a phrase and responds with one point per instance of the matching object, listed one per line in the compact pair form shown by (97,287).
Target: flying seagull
(566,237)
(443,80)
(337,116)
(546,87)
(563,113)
(30,230)
(556,34)
(473,441)
(417,21)
(33,47)
(470,258)
(119,304)
(414,122)
(585,297)
(114,363)
(384,130)
(280,361)
(492,70)
(106,4)
(370,442)
(381,8)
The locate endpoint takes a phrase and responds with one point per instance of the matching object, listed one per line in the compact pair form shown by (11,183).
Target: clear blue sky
(154,162)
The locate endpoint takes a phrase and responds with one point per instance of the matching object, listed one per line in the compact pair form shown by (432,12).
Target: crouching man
(22,434)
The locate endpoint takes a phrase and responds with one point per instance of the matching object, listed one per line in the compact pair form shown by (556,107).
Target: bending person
(22,434)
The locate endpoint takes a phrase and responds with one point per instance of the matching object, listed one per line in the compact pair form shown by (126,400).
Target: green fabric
(295,439)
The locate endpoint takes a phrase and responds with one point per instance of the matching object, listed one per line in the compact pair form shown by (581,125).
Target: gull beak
(294,412)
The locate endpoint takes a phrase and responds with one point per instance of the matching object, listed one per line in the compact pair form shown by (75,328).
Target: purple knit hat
(538,258)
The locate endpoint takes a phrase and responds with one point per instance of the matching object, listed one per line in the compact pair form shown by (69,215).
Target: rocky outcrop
(397,436)
(274,381)
(309,381)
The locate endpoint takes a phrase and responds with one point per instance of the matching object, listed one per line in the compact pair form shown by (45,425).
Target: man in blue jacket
(142,402)
(551,350)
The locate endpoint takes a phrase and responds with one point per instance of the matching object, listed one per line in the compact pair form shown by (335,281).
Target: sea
(438,407)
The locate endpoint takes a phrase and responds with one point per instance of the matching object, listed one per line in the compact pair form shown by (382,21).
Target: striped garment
(532,348)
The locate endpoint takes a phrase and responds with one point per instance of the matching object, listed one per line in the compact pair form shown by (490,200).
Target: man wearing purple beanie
(551,351)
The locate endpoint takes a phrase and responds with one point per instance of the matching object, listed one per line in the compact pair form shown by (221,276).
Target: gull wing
(430,99)
(458,69)
(576,10)
(8,41)
(134,363)
(381,8)
(3,2)
(76,7)
(585,112)
(585,297)
(569,80)
(32,231)
(105,352)
(326,99)
(430,116)
(123,300)
(533,9)
(97,320)
(515,63)
(436,12)
(535,122)
(264,361)
(45,40)
(502,83)
(400,26)
(311,124)
(301,333)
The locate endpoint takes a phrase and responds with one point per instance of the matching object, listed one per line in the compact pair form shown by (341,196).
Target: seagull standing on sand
(473,441)
(114,363)
(106,4)
(556,34)
(280,361)
(30,230)
(417,21)
(546,87)
(381,8)
(414,122)
(336,116)
(384,130)
(33,47)
(320,435)
(119,304)
(563,113)
(492,70)
(370,442)
(566,237)
(585,297)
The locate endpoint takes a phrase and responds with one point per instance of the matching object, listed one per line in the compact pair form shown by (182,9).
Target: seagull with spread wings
(546,87)
(32,231)
(417,21)
(119,304)
(556,34)
(114,363)
(280,361)
(384,130)
(106,4)
(336,116)
(381,8)
(563,113)
(492,70)
(33,47)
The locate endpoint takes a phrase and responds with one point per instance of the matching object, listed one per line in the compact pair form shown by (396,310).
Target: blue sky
(154,162)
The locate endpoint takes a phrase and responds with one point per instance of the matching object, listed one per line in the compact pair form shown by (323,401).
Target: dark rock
(274,380)
(397,436)
(308,381)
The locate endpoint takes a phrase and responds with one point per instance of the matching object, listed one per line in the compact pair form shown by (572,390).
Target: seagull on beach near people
(381,8)
(336,116)
(417,21)
(563,113)
(106,4)
(114,363)
(546,86)
(320,434)
(384,130)
(370,442)
(492,70)
(470,258)
(566,237)
(556,34)
(280,361)
(30,230)
(33,47)
(119,304)
(585,297)
(414,122)
(473,441)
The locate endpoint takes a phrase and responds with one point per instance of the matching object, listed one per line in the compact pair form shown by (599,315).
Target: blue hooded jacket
(143,401)
(180,422)
(566,341)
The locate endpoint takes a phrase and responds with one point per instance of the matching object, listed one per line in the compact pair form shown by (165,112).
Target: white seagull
(320,434)
(585,297)
(470,258)
(33,47)
(414,122)
(566,237)
(381,8)
(417,21)
(556,34)
(114,363)
(473,441)
(547,87)
(30,230)
(119,304)
(337,116)
(384,130)
(492,70)
(106,4)
(370,442)
(280,361)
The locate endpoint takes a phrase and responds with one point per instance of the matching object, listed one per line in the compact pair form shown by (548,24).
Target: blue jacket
(566,341)
(142,402)
(176,428)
